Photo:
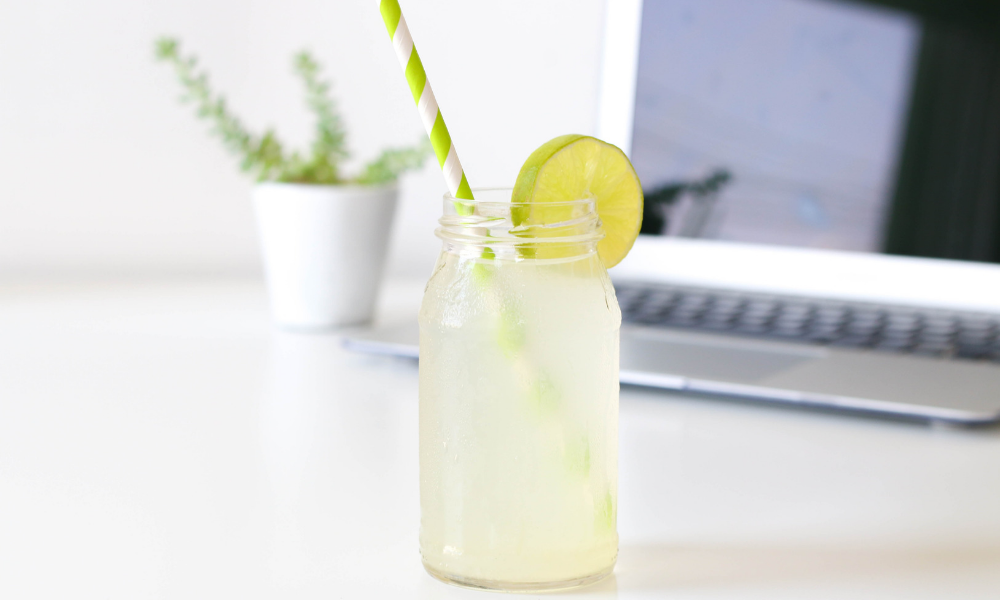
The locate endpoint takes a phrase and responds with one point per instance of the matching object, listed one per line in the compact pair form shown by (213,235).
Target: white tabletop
(161,440)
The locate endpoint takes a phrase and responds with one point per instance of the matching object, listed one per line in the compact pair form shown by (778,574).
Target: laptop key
(975,324)
(894,344)
(973,351)
(824,338)
(717,324)
(681,319)
(902,320)
(897,338)
(932,349)
(939,326)
(760,306)
(862,328)
(896,330)
(789,325)
(855,341)
(788,332)
(694,300)
(929,339)
(721,312)
(795,308)
(830,318)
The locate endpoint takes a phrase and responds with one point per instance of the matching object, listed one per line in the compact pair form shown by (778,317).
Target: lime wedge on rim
(574,167)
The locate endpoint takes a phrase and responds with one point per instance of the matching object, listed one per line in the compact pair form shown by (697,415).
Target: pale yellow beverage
(518,401)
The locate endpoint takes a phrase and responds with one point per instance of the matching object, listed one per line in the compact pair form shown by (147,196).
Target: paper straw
(427,106)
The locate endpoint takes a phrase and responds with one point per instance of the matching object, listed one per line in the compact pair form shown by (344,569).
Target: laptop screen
(771,121)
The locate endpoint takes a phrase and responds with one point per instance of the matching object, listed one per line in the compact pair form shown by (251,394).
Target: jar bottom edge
(518,587)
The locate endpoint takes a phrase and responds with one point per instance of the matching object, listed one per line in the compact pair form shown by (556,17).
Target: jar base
(517,586)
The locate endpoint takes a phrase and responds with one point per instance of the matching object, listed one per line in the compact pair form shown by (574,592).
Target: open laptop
(771,287)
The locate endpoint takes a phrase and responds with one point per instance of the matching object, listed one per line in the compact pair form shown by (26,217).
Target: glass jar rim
(492,220)
(485,204)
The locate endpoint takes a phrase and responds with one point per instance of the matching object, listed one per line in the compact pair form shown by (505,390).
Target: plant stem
(261,155)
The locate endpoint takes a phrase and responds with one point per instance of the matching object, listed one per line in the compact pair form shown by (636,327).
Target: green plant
(263,155)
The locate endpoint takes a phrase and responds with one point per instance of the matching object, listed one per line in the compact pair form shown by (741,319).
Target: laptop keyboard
(938,333)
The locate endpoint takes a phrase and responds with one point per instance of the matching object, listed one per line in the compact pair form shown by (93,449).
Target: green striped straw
(427,106)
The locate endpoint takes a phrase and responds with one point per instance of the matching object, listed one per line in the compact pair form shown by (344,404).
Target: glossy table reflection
(161,440)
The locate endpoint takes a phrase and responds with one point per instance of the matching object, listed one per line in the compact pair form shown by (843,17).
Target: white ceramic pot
(323,249)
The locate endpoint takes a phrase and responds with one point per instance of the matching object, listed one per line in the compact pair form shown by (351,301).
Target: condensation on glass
(519,398)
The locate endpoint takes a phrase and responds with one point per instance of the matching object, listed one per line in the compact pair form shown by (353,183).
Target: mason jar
(519,397)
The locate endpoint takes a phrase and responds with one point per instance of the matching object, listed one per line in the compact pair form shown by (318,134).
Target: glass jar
(519,398)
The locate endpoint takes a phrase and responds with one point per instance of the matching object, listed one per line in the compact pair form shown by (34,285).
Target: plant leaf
(393,162)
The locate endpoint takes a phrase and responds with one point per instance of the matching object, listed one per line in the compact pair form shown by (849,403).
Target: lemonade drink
(519,360)
(519,399)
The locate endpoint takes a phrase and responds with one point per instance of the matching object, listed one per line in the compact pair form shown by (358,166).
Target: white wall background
(102,172)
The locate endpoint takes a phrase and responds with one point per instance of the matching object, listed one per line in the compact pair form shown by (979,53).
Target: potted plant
(323,234)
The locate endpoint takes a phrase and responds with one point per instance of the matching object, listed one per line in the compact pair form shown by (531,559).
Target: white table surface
(161,440)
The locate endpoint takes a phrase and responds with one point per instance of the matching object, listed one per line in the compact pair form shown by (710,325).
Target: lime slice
(573,167)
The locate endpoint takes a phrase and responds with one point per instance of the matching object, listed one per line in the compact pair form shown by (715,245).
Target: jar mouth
(493,221)
(495,201)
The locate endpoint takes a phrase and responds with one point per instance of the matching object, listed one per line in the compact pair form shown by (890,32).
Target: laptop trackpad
(705,356)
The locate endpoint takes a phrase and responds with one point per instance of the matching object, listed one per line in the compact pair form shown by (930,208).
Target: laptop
(768,155)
